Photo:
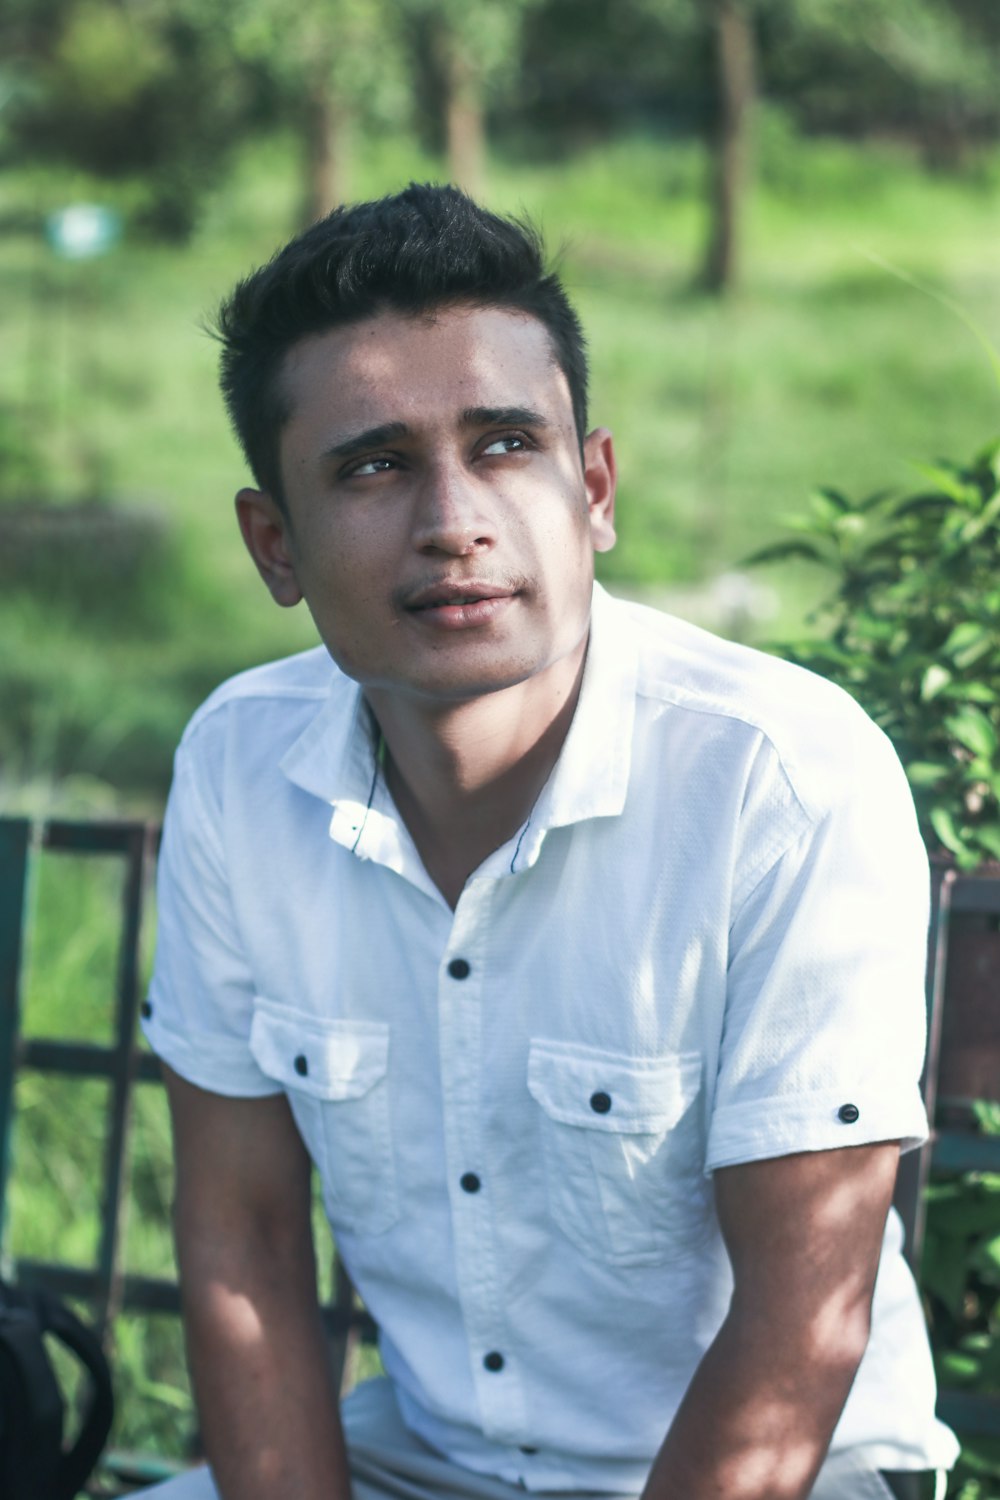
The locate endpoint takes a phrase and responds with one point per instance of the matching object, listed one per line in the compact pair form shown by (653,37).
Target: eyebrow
(502,416)
(372,437)
(472,416)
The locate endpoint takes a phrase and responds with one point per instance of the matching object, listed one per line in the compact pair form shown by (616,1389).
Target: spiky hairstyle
(424,248)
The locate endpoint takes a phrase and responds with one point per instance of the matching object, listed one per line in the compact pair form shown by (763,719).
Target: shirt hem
(817,1122)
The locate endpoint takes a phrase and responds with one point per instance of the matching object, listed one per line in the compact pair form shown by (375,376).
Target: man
(581,952)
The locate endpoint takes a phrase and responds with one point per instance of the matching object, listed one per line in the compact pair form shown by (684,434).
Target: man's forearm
(757,1418)
(262,1379)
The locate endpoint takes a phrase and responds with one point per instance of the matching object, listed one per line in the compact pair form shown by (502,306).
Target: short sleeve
(201,995)
(824,1030)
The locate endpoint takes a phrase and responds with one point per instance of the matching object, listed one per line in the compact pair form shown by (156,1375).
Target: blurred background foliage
(718,174)
(725,182)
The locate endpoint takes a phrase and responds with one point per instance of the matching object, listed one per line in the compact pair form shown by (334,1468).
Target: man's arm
(258,1358)
(804,1234)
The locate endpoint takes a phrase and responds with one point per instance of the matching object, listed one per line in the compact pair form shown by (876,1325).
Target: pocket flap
(599,1090)
(328,1059)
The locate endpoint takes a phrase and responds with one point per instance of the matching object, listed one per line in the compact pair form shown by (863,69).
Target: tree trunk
(465,132)
(325,128)
(735,84)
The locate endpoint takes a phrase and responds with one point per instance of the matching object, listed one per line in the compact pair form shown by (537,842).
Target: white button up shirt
(707,939)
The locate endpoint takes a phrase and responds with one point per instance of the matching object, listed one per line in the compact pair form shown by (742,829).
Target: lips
(459,605)
(451,595)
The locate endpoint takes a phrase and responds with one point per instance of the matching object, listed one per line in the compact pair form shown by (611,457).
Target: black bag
(33,1465)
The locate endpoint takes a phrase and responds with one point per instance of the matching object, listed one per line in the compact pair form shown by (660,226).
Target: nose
(452,513)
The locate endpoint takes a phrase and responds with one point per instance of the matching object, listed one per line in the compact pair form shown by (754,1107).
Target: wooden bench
(109,1289)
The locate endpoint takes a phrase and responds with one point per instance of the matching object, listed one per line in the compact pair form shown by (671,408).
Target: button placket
(461,978)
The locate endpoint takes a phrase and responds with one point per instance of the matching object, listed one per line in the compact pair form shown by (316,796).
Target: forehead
(419,369)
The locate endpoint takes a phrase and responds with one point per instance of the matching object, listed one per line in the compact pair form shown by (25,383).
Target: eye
(368,466)
(509,442)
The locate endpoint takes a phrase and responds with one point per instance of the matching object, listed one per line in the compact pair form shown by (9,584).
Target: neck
(465,776)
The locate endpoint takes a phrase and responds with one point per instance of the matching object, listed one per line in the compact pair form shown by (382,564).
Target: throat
(460,833)
(465,777)
(467,783)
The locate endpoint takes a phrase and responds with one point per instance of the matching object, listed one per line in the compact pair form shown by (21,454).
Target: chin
(450,686)
(468,689)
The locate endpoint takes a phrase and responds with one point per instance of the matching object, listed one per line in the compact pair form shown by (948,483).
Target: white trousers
(388,1463)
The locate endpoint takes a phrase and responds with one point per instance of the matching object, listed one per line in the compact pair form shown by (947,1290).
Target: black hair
(417,250)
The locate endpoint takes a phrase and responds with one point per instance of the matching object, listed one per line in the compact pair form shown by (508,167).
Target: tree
(165,92)
(915,51)
(470,49)
(920,68)
(127,91)
(325,69)
(923,70)
(735,72)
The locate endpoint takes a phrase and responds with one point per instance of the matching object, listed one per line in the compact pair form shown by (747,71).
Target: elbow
(836,1340)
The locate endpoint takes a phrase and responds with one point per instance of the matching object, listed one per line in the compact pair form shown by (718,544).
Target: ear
(600,475)
(266,531)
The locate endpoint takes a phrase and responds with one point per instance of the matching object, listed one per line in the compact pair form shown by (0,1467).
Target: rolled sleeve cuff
(222,1065)
(819,1121)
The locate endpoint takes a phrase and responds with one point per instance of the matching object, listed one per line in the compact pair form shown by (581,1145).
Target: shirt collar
(336,756)
(590,778)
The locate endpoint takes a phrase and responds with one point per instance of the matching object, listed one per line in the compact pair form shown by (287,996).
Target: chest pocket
(623,1150)
(335,1074)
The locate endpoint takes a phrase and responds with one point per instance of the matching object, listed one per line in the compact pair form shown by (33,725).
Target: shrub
(912,630)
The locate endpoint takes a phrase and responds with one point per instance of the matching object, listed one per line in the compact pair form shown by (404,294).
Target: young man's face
(440,523)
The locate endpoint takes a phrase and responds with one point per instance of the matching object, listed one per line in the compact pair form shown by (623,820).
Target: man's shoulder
(270,699)
(816,731)
(686,664)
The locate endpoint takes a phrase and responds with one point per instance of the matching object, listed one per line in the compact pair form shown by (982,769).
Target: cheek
(347,574)
(563,544)
(347,554)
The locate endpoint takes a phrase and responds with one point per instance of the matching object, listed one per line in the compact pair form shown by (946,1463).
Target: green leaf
(949,481)
(972,728)
(978,524)
(875,500)
(943,824)
(973,692)
(827,499)
(967,642)
(986,1259)
(958,1369)
(987,1113)
(925,773)
(935,680)
(915,505)
(987,836)
(780,551)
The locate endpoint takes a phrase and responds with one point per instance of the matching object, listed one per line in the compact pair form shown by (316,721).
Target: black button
(493,1360)
(848,1113)
(459,968)
(470,1182)
(528,1450)
(145,1010)
(600,1102)
(301,1065)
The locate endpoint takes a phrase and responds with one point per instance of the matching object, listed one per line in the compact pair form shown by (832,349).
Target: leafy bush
(960,1276)
(912,630)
